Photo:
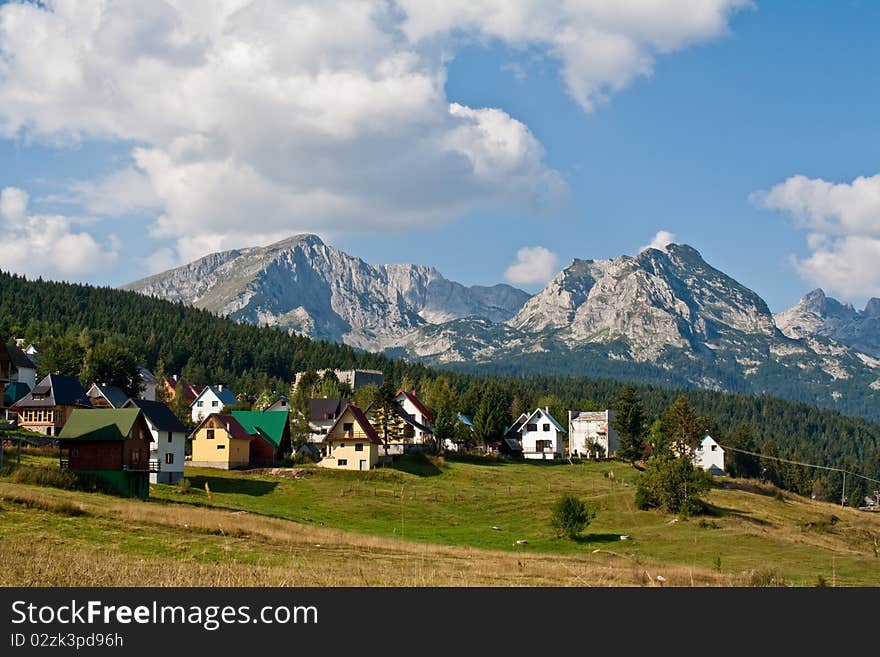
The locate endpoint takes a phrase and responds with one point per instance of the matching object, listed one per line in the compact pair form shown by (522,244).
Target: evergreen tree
(629,423)
(490,420)
(682,427)
(672,484)
(738,464)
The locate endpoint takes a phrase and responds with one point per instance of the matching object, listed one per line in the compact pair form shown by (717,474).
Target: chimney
(220,387)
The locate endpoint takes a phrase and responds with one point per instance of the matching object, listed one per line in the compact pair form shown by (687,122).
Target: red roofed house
(170,384)
(422,430)
(351,443)
(220,441)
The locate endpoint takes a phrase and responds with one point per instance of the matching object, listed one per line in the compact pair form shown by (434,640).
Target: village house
(112,444)
(170,384)
(169,440)
(590,429)
(514,430)
(352,443)
(541,436)
(45,409)
(17,374)
(212,399)
(106,396)
(420,429)
(354,379)
(323,413)
(709,456)
(220,441)
(271,432)
(280,404)
(149,383)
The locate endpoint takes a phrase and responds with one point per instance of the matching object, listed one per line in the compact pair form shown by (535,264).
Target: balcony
(154,465)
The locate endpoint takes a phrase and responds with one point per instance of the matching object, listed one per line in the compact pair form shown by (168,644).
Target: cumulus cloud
(534,265)
(660,240)
(36,244)
(601,46)
(843,224)
(259,118)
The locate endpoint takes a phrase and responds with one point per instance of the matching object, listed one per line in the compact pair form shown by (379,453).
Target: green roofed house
(271,432)
(112,444)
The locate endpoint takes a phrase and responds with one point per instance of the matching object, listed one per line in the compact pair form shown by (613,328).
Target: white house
(541,436)
(280,404)
(211,400)
(709,456)
(586,428)
(169,440)
(148,384)
(23,370)
(423,419)
(323,413)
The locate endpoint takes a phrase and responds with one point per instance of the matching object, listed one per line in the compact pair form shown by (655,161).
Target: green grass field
(470,514)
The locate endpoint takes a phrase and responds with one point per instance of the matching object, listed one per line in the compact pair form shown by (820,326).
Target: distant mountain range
(662,316)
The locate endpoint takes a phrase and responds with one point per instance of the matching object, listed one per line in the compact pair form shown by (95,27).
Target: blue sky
(705,145)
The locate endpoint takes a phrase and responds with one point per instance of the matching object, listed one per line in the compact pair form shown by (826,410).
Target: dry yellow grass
(289,553)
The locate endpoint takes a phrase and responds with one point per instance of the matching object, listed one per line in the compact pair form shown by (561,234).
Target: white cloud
(45,244)
(660,240)
(601,46)
(533,265)
(269,117)
(843,220)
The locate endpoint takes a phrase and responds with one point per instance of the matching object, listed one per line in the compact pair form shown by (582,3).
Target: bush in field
(183,486)
(571,516)
(673,485)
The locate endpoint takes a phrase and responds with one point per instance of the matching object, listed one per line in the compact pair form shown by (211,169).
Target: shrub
(571,516)
(184,486)
(673,485)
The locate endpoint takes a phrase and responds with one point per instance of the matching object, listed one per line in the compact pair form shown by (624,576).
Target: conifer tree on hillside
(629,422)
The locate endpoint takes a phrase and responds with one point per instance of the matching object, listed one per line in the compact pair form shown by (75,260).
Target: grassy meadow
(432,522)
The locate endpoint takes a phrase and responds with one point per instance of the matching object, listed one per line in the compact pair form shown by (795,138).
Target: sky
(496,140)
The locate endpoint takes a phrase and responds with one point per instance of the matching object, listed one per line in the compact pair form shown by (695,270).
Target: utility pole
(843,494)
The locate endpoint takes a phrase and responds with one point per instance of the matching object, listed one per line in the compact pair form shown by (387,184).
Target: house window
(221,446)
(214,403)
(358,447)
(341,445)
(169,436)
(348,427)
(714,447)
(200,404)
(135,455)
(209,434)
(546,427)
(542,445)
(169,458)
(531,427)
(342,462)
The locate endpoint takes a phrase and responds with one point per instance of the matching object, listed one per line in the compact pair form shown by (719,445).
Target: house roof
(361,420)
(159,415)
(547,415)
(19,358)
(112,394)
(224,394)
(269,425)
(514,428)
(326,408)
(146,375)
(99,424)
(513,445)
(403,415)
(428,415)
(14,391)
(55,390)
(230,423)
(190,392)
